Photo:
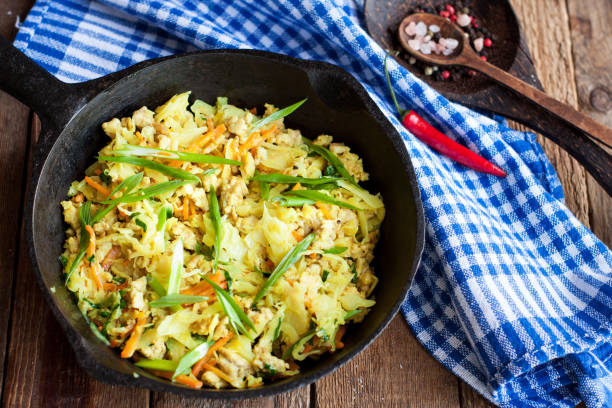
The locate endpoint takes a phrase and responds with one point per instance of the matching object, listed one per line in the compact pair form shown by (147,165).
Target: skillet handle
(53,100)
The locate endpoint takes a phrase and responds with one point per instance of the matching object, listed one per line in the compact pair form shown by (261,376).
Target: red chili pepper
(440,142)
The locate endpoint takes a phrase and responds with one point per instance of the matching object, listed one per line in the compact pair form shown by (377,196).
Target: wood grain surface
(571,44)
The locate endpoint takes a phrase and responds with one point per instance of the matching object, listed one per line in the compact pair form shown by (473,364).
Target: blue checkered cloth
(513,295)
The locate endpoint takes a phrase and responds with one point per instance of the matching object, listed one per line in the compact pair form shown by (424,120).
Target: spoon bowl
(447,30)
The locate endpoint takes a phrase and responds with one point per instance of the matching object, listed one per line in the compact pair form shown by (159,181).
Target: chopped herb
(118,280)
(189,359)
(91,259)
(354,272)
(215,217)
(135,214)
(270,371)
(161,365)
(176,300)
(324,275)
(153,165)
(289,259)
(318,196)
(237,318)
(277,330)
(105,177)
(229,280)
(285,179)
(335,250)
(330,171)
(276,115)
(289,201)
(351,313)
(176,268)
(62,259)
(122,303)
(264,273)
(205,250)
(198,337)
(131,150)
(141,224)
(104,313)
(332,159)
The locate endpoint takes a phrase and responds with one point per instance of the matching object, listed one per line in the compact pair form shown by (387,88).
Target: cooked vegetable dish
(218,248)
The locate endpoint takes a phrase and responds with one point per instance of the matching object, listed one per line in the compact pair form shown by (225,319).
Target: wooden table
(571,42)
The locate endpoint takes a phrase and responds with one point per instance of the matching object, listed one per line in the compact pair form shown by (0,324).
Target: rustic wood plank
(299,398)
(546,28)
(14,125)
(591,36)
(395,371)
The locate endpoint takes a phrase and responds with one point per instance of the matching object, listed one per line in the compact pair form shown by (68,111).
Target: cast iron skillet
(71,115)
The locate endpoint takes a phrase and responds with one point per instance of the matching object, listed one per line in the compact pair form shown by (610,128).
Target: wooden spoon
(465,56)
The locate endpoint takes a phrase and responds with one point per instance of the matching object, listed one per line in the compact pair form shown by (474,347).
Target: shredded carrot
(254,140)
(192,208)
(312,255)
(181,378)
(308,347)
(216,135)
(97,186)
(132,343)
(339,334)
(325,210)
(176,209)
(290,282)
(206,137)
(298,237)
(296,186)
(97,172)
(293,366)
(111,256)
(114,287)
(185,207)
(78,198)
(253,111)
(126,262)
(218,372)
(197,368)
(270,264)
(114,343)
(210,123)
(204,287)
(91,250)
(142,139)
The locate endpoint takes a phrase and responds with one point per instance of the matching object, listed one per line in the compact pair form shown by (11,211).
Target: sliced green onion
(318,196)
(153,165)
(264,188)
(156,286)
(276,115)
(215,217)
(288,201)
(351,313)
(131,150)
(335,250)
(289,259)
(128,184)
(324,275)
(176,300)
(371,200)
(354,272)
(285,179)
(141,224)
(163,214)
(161,365)
(331,159)
(190,359)
(148,192)
(85,218)
(277,330)
(176,268)
(237,318)
(302,340)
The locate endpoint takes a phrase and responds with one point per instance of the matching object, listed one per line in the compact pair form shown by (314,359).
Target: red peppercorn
(445,13)
(450,9)
(445,74)
(453,18)
(482,57)
(475,24)
(471,72)
(487,42)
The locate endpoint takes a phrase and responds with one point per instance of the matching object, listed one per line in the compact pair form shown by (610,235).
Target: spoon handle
(579,132)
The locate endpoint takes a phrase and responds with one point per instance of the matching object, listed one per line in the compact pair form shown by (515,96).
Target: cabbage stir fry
(218,248)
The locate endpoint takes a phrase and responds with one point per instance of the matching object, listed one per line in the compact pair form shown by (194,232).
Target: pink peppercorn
(487,42)
(445,74)
(471,72)
(450,9)
(482,57)
(453,18)
(445,13)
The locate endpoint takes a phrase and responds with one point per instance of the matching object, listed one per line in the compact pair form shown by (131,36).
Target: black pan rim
(144,380)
